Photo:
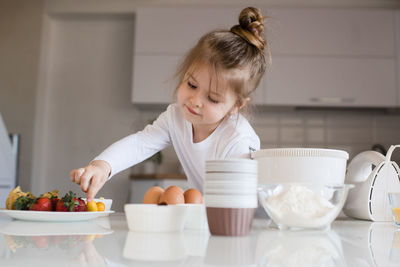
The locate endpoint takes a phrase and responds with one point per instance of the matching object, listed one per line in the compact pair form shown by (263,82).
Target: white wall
(20,33)
(82,101)
(85,80)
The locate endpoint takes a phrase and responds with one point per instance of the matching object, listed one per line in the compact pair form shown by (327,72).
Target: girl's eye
(192,85)
(213,100)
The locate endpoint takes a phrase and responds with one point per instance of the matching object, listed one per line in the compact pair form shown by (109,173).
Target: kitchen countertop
(106,241)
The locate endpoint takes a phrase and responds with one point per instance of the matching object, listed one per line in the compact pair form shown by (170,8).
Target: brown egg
(193,196)
(176,188)
(152,196)
(172,195)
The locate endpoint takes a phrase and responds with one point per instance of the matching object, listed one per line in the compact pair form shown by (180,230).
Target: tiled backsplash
(353,131)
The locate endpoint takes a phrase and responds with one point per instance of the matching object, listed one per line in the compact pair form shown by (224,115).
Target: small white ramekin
(155,218)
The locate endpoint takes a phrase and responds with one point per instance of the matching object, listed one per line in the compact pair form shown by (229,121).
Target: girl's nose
(196,100)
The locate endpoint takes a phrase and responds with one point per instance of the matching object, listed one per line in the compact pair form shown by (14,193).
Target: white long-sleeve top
(233,138)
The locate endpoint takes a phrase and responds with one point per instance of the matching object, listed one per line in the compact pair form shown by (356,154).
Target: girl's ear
(235,109)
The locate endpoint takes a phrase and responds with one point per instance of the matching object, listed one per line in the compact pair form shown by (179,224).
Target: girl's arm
(121,155)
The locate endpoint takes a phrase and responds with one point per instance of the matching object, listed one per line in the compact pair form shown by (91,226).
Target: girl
(215,82)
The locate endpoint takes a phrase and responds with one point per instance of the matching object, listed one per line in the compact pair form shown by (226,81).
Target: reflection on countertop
(106,241)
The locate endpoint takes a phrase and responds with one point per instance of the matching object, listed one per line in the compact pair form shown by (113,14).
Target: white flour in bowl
(300,207)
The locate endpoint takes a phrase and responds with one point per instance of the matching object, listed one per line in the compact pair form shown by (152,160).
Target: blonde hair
(236,54)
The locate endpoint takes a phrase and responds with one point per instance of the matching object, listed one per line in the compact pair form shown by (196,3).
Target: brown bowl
(230,221)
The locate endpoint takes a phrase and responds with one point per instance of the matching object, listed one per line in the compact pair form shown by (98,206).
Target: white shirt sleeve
(243,148)
(137,147)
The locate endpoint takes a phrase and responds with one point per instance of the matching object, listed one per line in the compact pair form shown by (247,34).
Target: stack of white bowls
(231,183)
(230,186)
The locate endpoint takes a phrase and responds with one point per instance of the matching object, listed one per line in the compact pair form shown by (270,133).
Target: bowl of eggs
(169,210)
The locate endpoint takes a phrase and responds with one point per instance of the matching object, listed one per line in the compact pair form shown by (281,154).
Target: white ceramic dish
(53,216)
(155,218)
(230,185)
(232,165)
(230,191)
(231,201)
(235,176)
(196,217)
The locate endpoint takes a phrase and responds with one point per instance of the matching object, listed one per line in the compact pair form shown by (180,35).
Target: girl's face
(202,105)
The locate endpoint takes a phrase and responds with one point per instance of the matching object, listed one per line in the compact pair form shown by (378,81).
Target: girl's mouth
(192,111)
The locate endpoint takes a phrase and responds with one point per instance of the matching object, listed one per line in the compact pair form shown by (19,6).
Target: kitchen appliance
(374,175)
(301,165)
(8,162)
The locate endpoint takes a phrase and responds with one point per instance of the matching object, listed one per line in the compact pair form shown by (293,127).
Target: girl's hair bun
(251,27)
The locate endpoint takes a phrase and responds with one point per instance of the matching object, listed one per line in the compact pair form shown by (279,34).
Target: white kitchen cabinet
(333,57)
(331,32)
(323,81)
(154,81)
(162,37)
(176,30)
(153,78)
(320,56)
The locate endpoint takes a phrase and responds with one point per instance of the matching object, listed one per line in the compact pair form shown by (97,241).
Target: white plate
(54,216)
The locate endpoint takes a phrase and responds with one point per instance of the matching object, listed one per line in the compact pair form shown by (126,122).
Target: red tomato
(41,204)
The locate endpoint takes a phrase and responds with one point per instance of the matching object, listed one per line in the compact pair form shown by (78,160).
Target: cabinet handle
(332,100)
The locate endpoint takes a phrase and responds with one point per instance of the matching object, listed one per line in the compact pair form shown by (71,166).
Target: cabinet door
(159,46)
(176,30)
(333,32)
(321,81)
(154,81)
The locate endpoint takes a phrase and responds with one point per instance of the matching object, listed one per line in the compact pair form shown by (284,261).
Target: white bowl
(107,202)
(297,206)
(232,165)
(230,191)
(234,176)
(231,201)
(155,218)
(230,185)
(301,165)
(196,217)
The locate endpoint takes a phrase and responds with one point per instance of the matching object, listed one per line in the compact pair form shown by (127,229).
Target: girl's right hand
(92,177)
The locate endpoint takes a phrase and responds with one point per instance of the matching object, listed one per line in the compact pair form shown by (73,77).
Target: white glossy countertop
(106,241)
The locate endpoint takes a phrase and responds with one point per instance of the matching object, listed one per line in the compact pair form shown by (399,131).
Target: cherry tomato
(100,206)
(91,206)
